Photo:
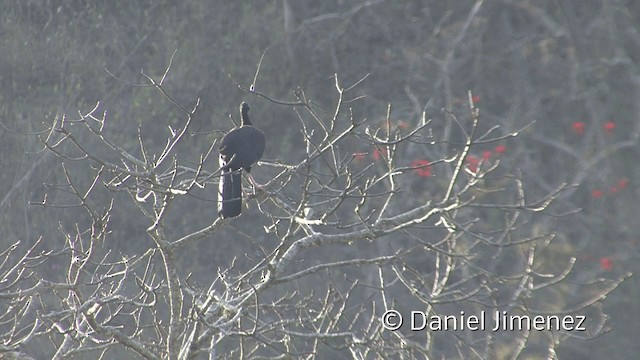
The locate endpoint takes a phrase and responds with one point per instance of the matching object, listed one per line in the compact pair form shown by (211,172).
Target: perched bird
(240,149)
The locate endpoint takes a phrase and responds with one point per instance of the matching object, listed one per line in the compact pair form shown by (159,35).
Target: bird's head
(244,114)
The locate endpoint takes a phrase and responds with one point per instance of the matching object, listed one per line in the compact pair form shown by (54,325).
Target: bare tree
(346,240)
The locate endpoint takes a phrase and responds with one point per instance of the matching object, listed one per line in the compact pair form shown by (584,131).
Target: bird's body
(240,149)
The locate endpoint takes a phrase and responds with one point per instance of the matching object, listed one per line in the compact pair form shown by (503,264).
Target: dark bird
(240,149)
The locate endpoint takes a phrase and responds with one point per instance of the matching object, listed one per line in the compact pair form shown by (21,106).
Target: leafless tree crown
(374,215)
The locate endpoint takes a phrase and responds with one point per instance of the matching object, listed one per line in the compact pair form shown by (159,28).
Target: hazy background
(570,66)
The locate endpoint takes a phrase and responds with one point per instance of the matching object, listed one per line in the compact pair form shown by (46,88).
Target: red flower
(596,193)
(379,153)
(609,126)
(578,127)
(622,183)
(606,264)
(486,155)
(475,99)
(422,167)
(472,163)
(613,190)
(501,149)
(359,157)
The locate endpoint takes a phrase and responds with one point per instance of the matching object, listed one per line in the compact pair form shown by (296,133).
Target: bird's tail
(230,194)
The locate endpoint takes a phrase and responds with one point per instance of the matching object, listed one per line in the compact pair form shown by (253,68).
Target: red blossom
(606,264)
(486,155)
(622,183)
(475,99)
(379,153)
(614,189)
(578,127)
(359,157)
(403,124)
(501,149)
(472,163)
(596,193)
(422,166)
(609,126)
